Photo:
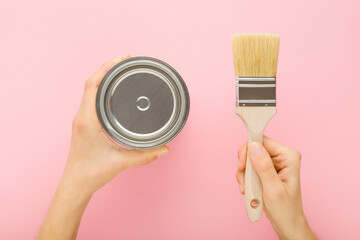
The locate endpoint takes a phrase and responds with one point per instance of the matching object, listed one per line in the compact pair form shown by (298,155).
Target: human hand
(278,167)
(93,158)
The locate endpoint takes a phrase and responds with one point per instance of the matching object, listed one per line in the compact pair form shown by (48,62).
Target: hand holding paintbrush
(255,61)
(278,167)
(272,172)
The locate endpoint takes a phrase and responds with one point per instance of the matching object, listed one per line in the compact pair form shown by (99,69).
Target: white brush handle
(255,120)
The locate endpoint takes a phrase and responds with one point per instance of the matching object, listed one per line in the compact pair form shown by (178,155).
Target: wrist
(75,182)
(299,229)
(71,192)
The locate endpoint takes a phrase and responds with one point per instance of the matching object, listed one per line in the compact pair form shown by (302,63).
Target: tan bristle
(255,54)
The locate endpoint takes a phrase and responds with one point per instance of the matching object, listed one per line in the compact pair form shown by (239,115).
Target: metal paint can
(142,103)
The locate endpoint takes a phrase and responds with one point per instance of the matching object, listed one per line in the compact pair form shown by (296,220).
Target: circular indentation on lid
(143,103)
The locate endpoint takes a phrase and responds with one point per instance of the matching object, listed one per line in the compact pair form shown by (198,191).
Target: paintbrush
(255,62)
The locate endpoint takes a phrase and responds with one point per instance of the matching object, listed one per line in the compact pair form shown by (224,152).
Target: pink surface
(49,48)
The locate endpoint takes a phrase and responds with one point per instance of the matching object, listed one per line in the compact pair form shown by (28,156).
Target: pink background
(49,48)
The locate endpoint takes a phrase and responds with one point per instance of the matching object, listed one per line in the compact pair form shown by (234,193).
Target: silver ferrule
(255,91)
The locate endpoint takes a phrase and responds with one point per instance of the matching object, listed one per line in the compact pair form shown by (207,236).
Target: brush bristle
(255,54)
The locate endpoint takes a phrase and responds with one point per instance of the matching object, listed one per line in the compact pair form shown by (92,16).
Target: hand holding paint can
(94,160)
(142,103)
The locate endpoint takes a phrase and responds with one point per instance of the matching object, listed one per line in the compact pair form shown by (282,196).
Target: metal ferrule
(255,91)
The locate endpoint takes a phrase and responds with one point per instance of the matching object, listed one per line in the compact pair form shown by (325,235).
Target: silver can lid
(142,103)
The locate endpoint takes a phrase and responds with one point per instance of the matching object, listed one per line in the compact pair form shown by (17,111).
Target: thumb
(134,158)
(263,165)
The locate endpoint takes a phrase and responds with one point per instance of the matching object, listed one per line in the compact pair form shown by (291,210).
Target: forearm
(65,213)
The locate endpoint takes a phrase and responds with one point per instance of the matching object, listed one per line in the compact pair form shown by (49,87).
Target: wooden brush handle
(255,120)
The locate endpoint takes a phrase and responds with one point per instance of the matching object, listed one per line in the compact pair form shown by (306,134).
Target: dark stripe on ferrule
(256,93)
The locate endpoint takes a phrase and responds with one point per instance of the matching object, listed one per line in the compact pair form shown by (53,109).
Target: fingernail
(255,149)
(162,153)
(240,187)
(119,59)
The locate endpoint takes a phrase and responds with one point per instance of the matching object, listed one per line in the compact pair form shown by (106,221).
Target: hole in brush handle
(254,203)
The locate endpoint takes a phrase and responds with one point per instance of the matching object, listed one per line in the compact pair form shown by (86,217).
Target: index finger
(96,78)
(93,82)
(242,157)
